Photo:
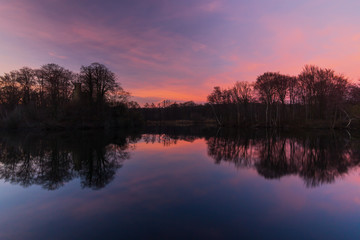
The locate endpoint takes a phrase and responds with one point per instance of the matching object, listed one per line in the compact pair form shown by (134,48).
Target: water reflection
(53,160)
(94,157)
(166,140)
(180,185)
(317,158)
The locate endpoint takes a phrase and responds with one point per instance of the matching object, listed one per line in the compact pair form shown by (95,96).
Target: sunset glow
(180,50)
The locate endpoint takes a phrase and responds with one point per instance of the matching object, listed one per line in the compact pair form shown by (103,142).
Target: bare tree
(323,91)
(98,81)
(293,89)
(10,94)
(133,104)
(216,96)
(55,84)
(26,80)
(267,92)
(243,94)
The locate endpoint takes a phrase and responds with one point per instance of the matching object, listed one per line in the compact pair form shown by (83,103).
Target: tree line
(316,97)
(54,95)
(52,86)
(52,92)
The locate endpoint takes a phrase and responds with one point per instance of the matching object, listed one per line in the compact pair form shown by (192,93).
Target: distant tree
(188,104)
(40,87)
(133,104)
(26,80)
(174,105)
(98,81)
(216,97)
(322,90)
(281,84)
(55,83)
(265,85)
(243,92)
(353,93)
(242,95)
(227,96)
(118,96)
(10,94)
(166,103)
(294,92)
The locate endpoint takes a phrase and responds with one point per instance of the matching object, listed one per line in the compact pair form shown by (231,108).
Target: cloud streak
(180,50)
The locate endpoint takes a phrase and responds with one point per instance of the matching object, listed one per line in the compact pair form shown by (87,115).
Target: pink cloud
(183,64)
(53,54)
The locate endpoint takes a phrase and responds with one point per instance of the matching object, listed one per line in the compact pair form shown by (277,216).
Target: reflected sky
(176,188)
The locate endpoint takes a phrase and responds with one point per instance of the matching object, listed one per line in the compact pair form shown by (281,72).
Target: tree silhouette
(52,161)
(56,84)
(322,91)
(10,94)
(26,80)
(318,159)
(98,81)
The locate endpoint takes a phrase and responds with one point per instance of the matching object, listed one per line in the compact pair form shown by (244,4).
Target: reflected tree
(52,161)
(318,159)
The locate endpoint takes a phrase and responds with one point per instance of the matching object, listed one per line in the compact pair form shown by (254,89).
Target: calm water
(180,184)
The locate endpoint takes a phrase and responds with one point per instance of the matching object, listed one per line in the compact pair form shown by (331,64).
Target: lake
(180,183)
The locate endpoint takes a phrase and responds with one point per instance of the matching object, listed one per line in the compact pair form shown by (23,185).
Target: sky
(180,50)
